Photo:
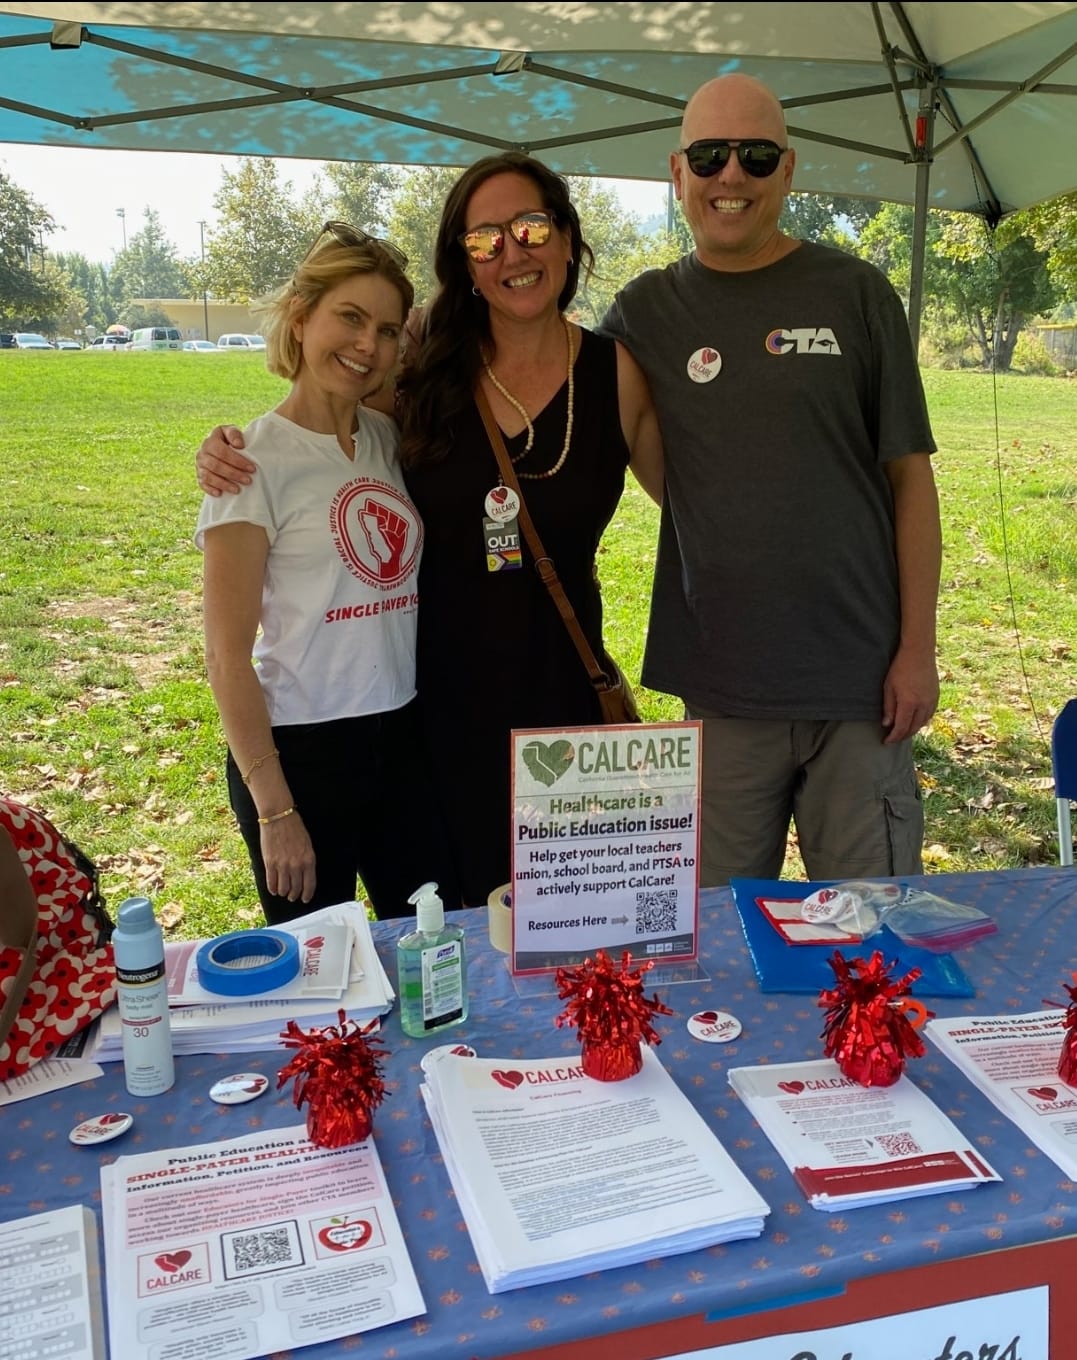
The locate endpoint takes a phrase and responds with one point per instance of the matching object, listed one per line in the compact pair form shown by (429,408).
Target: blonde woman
(312,570)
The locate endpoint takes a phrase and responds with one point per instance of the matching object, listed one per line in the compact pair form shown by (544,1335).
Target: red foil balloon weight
(611,1015)
(337,1072)
(866,1033)
(1067,1061)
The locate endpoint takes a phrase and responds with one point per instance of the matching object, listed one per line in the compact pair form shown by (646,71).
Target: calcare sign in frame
(605,844)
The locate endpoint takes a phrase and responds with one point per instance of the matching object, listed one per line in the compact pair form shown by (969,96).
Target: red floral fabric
(74,978)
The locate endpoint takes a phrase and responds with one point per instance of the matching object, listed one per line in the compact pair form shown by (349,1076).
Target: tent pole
(925,130)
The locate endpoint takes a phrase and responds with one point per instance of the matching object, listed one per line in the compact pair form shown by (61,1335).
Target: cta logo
(803,340)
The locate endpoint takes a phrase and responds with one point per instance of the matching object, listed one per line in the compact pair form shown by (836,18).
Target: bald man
(798,565)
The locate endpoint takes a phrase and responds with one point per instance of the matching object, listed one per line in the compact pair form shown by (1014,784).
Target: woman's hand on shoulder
(639,422)
(220,464)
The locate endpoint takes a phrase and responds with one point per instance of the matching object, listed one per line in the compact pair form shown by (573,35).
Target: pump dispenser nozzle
(429,908)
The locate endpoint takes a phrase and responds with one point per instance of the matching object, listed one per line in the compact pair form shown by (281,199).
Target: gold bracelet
(269,755)
(277,816)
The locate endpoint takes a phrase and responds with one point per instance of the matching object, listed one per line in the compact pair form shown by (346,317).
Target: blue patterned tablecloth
(801,1253)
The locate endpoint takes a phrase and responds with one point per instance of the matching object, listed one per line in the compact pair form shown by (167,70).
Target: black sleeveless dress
(493,652)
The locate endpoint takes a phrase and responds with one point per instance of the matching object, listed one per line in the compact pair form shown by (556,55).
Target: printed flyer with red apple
(251,1246)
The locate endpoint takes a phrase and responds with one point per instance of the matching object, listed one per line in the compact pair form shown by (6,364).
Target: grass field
(109,726)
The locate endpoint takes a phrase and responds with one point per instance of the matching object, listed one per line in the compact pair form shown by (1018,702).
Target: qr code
(656,911)
(898,1144)
(255,1252)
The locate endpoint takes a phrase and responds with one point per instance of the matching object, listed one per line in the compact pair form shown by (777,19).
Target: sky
(83,190)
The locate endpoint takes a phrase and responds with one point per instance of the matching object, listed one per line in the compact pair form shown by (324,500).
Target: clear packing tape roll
(499,916)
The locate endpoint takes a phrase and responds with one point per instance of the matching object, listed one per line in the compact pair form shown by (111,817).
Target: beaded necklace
(550,472)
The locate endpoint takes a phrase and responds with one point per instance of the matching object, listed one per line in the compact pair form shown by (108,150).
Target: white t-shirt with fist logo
(339,601)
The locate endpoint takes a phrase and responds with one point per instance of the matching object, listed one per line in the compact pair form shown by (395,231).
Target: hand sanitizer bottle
(431,969)
(142,993)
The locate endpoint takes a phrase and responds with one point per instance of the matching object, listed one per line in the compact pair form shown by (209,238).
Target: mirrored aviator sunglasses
(486,242)
(347,235)
(759,158)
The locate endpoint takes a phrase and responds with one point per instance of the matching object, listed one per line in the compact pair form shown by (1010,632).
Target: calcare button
(714,1027)
(101,1129)
(239,1089)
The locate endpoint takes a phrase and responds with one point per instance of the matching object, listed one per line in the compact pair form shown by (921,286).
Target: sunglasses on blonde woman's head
(348,235)
(759,158)
(486,242)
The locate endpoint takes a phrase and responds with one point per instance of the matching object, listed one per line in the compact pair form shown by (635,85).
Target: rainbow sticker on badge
(714,1027)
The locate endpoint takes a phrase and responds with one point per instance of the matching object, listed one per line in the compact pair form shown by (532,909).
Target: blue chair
(1064,764)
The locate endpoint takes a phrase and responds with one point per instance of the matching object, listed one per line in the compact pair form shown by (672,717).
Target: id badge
(502,544)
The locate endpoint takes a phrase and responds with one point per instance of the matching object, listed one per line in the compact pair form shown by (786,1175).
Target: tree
(363,193)
(614,235)
(1051,227)
(819,217)
(149,267)
(413,222)
(260,235)
(28,291)
(994,283)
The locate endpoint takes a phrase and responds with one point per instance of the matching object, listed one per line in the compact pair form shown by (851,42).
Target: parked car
(100,343)
(241,342)
(201,346)
(66,342)
(156,337)
(7,340)
(30,340)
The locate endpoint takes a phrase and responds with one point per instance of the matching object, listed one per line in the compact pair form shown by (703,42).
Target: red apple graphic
(706,1017)
(792,1088)
(1043,1092)
(346,1234)
(510,1080)
(171,1261)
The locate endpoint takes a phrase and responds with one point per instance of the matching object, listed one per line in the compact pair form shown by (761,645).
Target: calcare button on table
(714,1027)
(101,1129)
(237,1090)
(435,1055)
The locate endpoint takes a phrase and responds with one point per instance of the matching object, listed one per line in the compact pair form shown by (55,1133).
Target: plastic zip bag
(916,916)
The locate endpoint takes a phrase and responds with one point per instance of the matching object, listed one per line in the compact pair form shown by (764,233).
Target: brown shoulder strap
(544,564)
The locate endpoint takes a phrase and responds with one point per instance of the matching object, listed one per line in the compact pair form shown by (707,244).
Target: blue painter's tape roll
(248,962)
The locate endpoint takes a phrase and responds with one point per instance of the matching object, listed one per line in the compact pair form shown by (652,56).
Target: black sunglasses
(486,242)
(348,235)
(759,158)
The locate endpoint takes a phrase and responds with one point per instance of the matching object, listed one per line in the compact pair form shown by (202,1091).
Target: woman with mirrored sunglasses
(575,411)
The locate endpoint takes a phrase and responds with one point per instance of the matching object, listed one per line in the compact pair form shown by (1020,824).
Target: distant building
(190,316)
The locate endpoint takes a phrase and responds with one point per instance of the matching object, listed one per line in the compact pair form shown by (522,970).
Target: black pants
(362,788)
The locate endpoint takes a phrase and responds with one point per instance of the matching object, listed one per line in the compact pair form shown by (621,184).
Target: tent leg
(925,133)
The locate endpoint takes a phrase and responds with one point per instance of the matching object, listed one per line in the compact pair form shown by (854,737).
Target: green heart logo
(548,763)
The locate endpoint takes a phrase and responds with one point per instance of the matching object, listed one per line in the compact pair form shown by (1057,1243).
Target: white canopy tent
(967,106)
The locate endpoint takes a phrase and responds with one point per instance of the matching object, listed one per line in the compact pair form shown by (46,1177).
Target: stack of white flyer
(251,1246)
(849,1145)
(340,971)
(1013,1059)
(558,1174)
(50,1287)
